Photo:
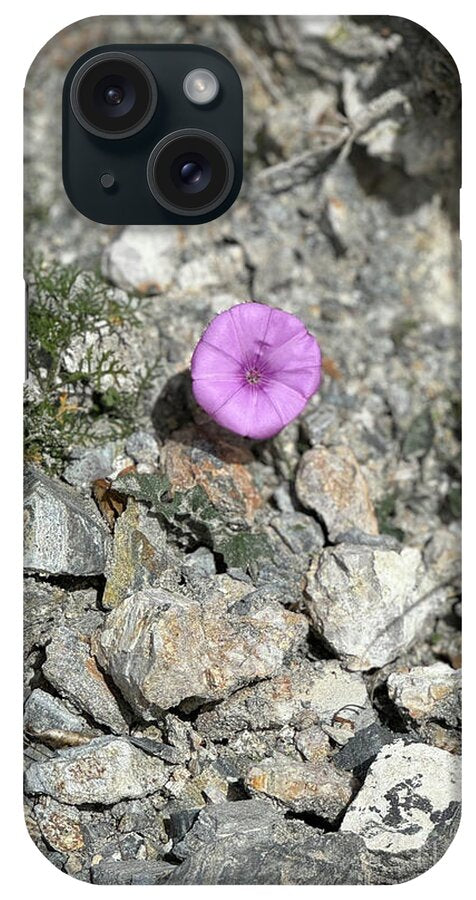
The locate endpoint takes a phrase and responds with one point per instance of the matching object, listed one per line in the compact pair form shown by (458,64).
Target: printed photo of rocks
(242,659)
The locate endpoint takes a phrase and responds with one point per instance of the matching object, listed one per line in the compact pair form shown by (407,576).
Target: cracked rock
(161,648)
(287,853)
(64,533)
(49,720)
(302,787)
(131,871)
(107,770)
(351,584)
(302,694)
(139,556)
(218,465)
(427,692)
(224,820)
(410,794)
(330,482)
(72,670)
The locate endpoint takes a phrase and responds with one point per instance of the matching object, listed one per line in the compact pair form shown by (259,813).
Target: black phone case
(242,658)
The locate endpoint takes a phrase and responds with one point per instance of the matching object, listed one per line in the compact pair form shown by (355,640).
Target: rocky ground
(242,660)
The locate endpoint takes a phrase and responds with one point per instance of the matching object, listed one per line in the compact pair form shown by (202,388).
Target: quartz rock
(303,693)
(143,259)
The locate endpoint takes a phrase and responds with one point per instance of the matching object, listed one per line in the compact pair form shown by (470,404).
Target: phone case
(242,657)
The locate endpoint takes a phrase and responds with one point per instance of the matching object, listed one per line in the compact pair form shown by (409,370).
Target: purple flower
(255,368)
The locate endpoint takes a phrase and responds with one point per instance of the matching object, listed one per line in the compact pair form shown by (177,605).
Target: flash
(201,86)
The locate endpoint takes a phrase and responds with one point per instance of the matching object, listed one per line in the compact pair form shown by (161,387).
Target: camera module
(113,95)
(190,172)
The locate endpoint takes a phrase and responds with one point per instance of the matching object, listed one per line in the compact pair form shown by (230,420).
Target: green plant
(67,405)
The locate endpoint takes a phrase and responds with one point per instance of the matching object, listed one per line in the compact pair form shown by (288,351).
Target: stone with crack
(221,821)
(303,693)
(161,649)
(280,852)
(49,720)
(64,533)
(329,481)
(107,770)
(72,670)
(389,591)
(427,692)
(131,871)
(302,787)
(411,793)
(139,556)
(221,466)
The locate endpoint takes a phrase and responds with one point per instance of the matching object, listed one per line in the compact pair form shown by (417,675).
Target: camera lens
(113,95)
(190,172)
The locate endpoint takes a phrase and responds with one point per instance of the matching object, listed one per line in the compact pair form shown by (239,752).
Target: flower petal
(278,346)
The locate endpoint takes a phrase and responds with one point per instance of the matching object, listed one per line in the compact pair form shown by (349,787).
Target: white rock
(144,259)
(409,792)
(370,603)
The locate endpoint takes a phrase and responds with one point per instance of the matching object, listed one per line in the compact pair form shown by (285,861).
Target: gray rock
(143,448)
(301,694)
(88,464)
(317,788)
(144,260)
(363,748)
(222,821)
(131,871)
(301,533)
(161,648)
(292,854)
(389,591)
(410,792)
(199,564)
(329,481)
(60,825)
(64,533)
(46,606)
(49,720)
(107,770)
(427,692)
(72,670)
(139,556)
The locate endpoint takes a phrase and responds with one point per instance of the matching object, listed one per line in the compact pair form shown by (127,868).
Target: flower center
(253,376)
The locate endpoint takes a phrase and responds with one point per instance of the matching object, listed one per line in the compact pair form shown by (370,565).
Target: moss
(385,511)
(64,407)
